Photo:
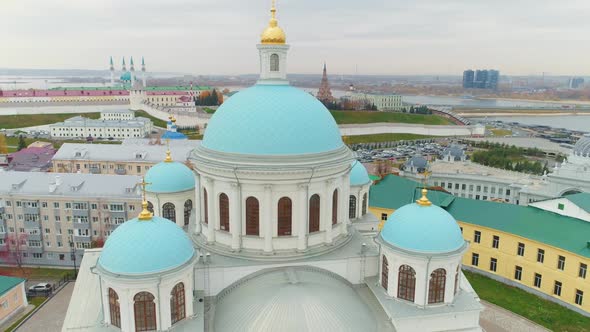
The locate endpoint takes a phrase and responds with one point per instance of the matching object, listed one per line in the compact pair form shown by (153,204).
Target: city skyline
(374,37)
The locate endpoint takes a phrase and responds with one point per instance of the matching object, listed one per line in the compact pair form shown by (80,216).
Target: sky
(394,37)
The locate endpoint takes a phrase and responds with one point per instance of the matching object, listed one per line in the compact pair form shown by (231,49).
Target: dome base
(277,255)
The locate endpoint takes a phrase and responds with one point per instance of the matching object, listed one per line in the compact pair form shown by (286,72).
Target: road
(51,316)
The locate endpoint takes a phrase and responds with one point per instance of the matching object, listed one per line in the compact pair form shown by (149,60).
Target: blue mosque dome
(169,177)
(424,228)
(358,174)
(126,76)
(272,120)
(146,246)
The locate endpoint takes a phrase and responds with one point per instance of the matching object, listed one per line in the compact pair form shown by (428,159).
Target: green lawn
(353,117)
(543,312)
(157,122)
(499,132)
(36,301)
(30,120)
(35,272)
(376,138)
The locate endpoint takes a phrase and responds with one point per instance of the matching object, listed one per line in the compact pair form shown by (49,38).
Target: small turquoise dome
(146,246)
(169,177)
(272,120)
(358,174)
(425,229)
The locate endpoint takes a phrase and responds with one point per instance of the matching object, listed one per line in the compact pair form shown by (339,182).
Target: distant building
(32,159)
(383,102)
(13,297)
(324,93)
(125,159)
(112,124)
(481,79)
(468,78)
(576,83)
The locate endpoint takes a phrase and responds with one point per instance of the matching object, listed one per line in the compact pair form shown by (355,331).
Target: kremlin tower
(324,93)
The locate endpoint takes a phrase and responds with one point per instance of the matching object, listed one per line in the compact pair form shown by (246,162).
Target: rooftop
(130,152)
(69,185)
(552,229)
(31,159)
(8,283)
(582,200)
(80,121)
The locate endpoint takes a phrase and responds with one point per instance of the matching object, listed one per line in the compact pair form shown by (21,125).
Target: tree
(3,147)
(21,143)
(12,253)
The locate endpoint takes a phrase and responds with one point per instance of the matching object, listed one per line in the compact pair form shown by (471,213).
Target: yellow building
(540,251)
(13,298)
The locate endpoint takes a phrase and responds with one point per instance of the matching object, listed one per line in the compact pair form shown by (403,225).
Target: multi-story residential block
(45,217)
(542,248)
(134,157)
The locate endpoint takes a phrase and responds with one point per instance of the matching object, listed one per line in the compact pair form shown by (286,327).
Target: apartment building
(49,219)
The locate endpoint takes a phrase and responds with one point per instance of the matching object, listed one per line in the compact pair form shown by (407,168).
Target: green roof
(177,87)
(374,177)
(550,228)
(582,200)
(8,283)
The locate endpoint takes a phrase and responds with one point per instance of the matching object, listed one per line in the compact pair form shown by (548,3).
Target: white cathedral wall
(221,277)
(159,286)
(268,197)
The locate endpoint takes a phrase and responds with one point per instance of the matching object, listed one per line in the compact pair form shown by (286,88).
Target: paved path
(51,316)
(496,319)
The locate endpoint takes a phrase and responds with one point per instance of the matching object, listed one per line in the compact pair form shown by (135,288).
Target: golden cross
(143,184)
(425,174)
(168,153)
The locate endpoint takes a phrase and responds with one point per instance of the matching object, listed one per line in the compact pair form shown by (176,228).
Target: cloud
(377,36)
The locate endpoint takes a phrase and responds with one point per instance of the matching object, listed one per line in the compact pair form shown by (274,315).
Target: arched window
(114,308)
(406,283)
(150,207)
(169,212)
(352,207)
(177,307)
(436,287)
(285,210)
(314,213)
(144,310)
(188,207)
(274,62)
(206,206)
(252,216)
(224,212)
(335,207)
(384,273)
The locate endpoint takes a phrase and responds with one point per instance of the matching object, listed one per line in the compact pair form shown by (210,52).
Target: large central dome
(272,120)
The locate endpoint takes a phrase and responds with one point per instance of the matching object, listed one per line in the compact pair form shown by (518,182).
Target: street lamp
(73,255)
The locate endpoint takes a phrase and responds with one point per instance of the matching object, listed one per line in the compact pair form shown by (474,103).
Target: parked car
(41,287)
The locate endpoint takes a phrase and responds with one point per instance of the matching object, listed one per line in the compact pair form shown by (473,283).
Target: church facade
(271,194)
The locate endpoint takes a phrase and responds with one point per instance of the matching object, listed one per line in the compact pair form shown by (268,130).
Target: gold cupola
(273,34)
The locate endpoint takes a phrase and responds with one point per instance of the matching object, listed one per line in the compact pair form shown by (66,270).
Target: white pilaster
(209,186)
(326,211)
(197,204)
(236,217)
(303,220)
(267,219)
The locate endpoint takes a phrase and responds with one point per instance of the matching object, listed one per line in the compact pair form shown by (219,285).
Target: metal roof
(123,153)
(582,200)
(79,121)
(292,299)
(8,283)
(552,229)
(69,184)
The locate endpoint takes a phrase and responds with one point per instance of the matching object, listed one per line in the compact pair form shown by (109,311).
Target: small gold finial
(168,158)
(145,214)
(424,200)
(273,9)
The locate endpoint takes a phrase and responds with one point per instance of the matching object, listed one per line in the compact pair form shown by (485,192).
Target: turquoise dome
(126,76)
(358,174)
(424,229)
(146,246)
(169,177)
(272,120)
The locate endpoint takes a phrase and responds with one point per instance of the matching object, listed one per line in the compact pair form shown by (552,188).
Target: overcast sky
(373,36)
